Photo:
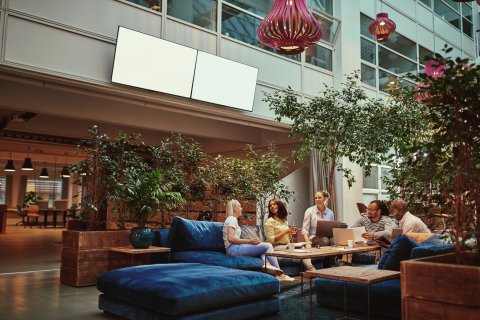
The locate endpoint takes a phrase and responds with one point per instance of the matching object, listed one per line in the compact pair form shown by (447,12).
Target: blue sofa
(385,296)
(202,242)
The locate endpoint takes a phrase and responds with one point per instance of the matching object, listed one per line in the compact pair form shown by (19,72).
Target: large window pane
(467,11)
(371,181)
(424,54)
(202,13)
(329,27)
(402,45)
(427,2)
(368,75)
(46,189)
(258,7)
(368,51)
(321,5)
(446,13)
(385,174)
(242,26)
(364,23)
(467,27)
(152,4)
(393,62)
(3,183)
(386,79)
(455,5)
(319,56)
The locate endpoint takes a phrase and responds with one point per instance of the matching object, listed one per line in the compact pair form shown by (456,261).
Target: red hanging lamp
(382,27)
(289,27)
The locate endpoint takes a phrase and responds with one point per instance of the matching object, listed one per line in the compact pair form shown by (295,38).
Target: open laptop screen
(325,228)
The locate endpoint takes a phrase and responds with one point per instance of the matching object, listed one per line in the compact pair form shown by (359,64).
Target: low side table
(351,274)
(137,256)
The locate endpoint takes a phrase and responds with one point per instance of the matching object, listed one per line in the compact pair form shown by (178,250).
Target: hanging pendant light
(44,173)
(65,173)
(27,164)
(289,27)
(382,27)
(10,167)
(434,69)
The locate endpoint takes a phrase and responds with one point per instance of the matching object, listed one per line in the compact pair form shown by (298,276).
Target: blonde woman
(235,246)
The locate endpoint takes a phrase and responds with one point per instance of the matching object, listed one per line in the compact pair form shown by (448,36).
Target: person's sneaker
(284,277)
(312,268)
(274,271)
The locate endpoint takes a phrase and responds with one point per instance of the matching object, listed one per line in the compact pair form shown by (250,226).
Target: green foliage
(146,195)
(31,198)
(440,169)
(344,123)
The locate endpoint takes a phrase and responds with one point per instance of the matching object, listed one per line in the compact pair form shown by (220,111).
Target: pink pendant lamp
(382,27)
(289,27)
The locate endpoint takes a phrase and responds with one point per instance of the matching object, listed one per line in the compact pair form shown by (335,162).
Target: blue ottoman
(187,291)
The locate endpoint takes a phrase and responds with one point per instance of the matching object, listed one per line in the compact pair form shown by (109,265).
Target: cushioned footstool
(187,291)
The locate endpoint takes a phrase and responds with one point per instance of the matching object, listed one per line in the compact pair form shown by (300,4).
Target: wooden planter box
(85,254)
(438,288)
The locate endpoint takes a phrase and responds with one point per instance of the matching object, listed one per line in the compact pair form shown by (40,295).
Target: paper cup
(350,243)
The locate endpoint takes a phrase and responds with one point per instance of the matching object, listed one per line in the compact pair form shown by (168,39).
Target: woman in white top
(235,246)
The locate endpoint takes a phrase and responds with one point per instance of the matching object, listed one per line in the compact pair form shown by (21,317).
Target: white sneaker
(285,277)
(274,271)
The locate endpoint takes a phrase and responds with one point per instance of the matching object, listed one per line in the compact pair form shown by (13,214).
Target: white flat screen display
(225,82)
(151,63)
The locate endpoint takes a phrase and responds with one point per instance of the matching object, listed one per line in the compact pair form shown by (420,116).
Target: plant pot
(141,238)
(438,288)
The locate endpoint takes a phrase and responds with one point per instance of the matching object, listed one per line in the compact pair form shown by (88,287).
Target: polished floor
(30,278)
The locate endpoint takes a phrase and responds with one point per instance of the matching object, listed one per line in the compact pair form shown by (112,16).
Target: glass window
(467,27)
(423,53)
(329,27)
(368,75)
(319,56)
(386,79)
(321,5)
(3,183)
(368,51)
(453,4)
(467,11)
(371,181)
(152,4)
(364,23)
(446,13)
(428,3)
(242,26)
(385,173)
(402,45)
(258,7)
(46,189)
(394,63)
(202,13)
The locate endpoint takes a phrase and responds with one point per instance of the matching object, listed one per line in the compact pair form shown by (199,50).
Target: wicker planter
(85,254)
(438,288)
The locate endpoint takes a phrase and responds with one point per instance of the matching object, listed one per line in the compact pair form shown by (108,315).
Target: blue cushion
(385,297)
(160,238)
(424,251)
(218,259)
(191,235)
(183,288)
(437,238)
(398,251)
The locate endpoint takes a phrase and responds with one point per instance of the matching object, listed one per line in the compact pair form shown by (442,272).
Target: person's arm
(306,224)
(386,232)
(233,239)
(357,223)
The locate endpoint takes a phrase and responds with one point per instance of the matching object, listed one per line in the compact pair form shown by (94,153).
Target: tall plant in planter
(448,158)
(145,195)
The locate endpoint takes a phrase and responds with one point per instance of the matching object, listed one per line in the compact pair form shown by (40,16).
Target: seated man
(408,222)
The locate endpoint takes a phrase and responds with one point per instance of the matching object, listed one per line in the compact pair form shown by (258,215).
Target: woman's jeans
(253,250)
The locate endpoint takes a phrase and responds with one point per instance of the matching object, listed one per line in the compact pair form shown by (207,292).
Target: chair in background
(362,208)
(22,213)
(61,208)
(33,212)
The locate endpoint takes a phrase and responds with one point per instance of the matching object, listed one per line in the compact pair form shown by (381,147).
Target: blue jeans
(253,250)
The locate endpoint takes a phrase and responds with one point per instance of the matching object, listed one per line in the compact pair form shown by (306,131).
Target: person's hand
(368,235)
(254,241)
(292,230)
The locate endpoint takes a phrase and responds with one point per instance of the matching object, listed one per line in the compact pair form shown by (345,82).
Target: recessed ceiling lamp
(289,27)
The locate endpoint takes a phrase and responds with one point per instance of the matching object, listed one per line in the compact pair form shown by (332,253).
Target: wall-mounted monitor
(222,81)
(151,63)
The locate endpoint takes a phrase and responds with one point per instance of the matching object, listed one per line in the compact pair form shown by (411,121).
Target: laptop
(342,235)
(325,228)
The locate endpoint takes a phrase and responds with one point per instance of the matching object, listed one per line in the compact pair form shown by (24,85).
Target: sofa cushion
(218,259)
(433,250)
(250,232)
(438,238)
(160,238)
(182,288)
(191,235)
(398,251)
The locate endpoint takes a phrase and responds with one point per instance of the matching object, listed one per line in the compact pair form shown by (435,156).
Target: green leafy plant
(441,171)
(146,195)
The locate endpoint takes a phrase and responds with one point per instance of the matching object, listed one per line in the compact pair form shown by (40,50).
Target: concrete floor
(30,278)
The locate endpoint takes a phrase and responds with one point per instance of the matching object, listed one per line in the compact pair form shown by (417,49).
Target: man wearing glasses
(376,222)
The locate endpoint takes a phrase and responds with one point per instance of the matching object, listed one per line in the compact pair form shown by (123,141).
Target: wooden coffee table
(326,251)
(351,274)
(132,252)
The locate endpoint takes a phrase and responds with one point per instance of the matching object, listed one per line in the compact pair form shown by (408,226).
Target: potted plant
(441,169)
(146,194)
